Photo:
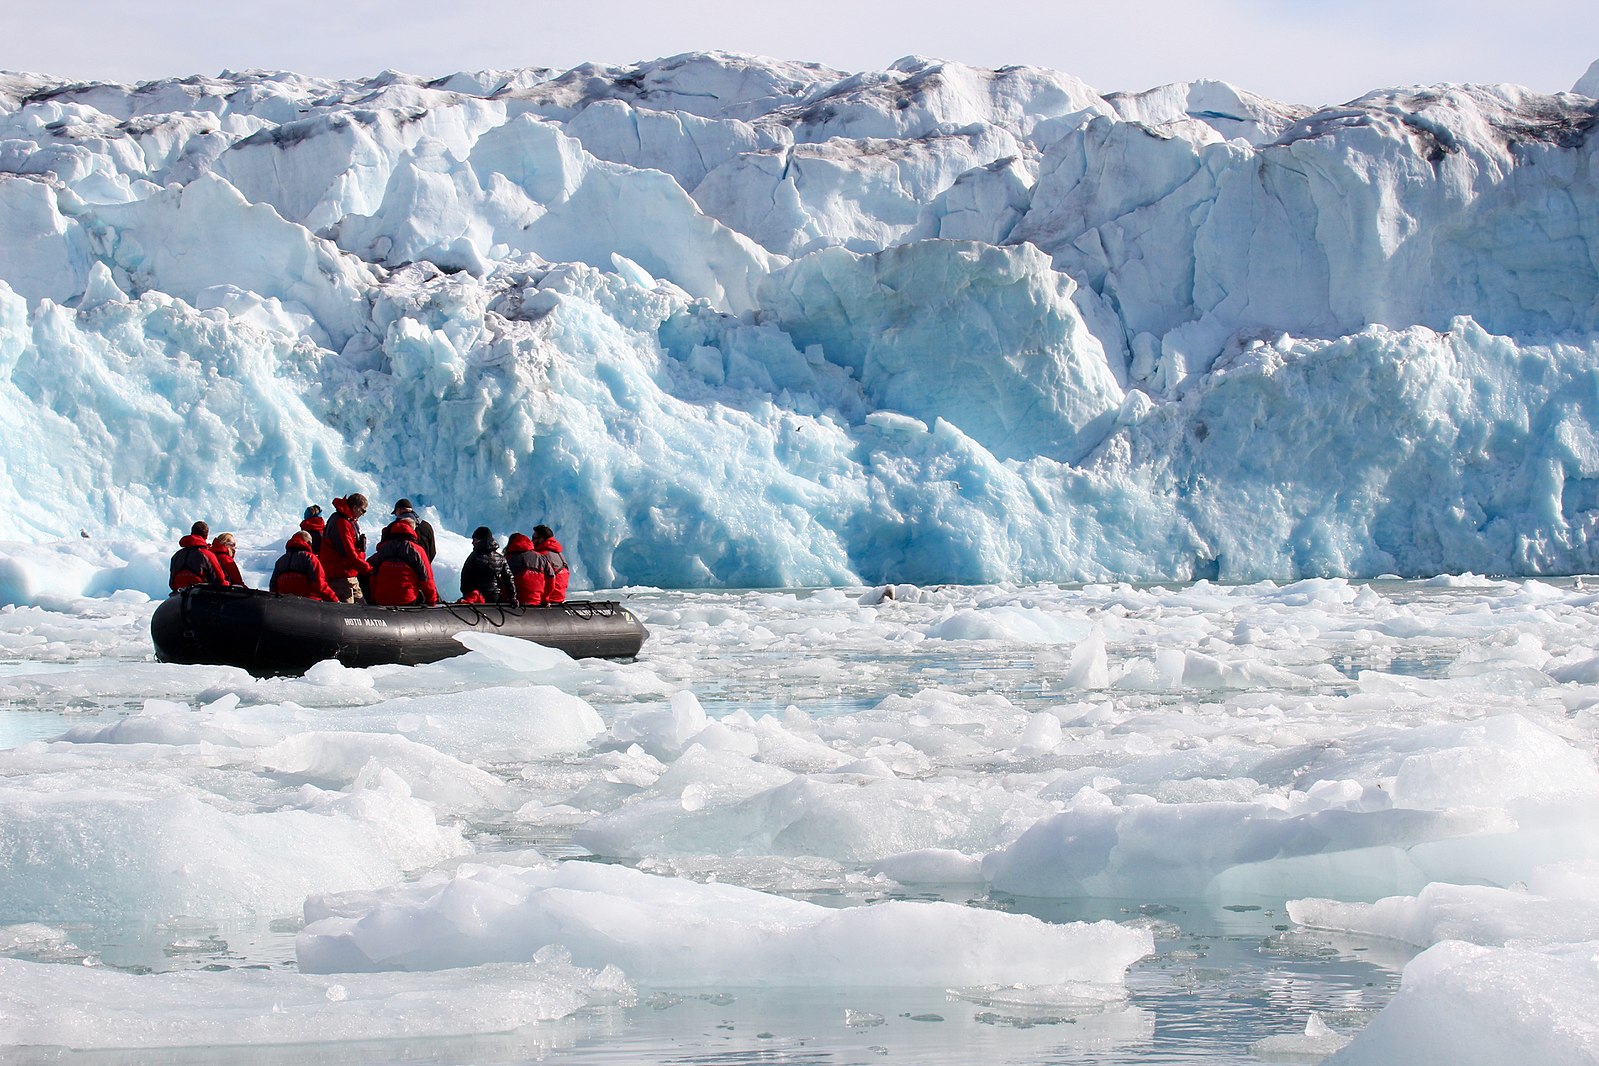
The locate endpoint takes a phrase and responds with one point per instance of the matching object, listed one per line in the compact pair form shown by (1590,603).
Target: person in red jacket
(538,567)
(343,550)
(193,563)
(314,525)
(401,573)
(553,563)
(525,572)
(299,573)
(222,548)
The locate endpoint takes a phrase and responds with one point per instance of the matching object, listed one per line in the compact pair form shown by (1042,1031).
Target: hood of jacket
(518,543)
(399,529)
(194,541)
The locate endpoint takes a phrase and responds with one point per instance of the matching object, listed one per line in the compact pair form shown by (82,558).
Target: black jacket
(424,533)
(486,573)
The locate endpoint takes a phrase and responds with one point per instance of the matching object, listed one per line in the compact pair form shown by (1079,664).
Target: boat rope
(183,612)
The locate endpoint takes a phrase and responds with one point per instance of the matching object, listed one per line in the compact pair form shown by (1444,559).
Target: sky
(1301,51)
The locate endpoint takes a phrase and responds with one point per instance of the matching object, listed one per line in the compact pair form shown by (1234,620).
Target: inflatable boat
(268,634)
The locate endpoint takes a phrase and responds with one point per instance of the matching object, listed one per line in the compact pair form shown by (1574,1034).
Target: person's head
(224,540)
(313,511)
(402,505)
(357,503)
(302,537)
(200,529)
(542,533)
(483,535)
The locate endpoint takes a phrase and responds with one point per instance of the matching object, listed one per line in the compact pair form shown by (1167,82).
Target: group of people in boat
(326,560)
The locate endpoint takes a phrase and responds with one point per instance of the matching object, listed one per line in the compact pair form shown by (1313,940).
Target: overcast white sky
(1305,51)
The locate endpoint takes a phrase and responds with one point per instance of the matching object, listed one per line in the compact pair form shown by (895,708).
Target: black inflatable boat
(270,634)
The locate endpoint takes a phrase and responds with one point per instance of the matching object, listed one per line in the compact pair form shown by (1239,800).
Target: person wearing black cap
(313,526)
(485,577)
(424,530)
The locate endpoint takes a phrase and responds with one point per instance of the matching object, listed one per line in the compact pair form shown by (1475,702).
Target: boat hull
(268,634)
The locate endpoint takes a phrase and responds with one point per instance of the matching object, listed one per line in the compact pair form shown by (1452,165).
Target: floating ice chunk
(160,722)
(1463,1005)
(1190,850)
(721,786)
(677,933)
(344,760)
(931,866)
(1316,1042)
(1042,735)
(515,653)
(1023,625)
(1488,763)
(665,732)
(716,736)
(859,812)
(31,938)
(107,852)
(98,1009)
(792,748)
(41,575)
(1090,667)
(493,722)
(1565,911)
(330,673)
(635,767)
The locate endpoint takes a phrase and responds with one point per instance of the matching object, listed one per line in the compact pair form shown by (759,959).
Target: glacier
(729,321)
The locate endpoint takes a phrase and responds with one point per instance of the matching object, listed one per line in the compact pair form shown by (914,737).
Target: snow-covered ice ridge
(727,320)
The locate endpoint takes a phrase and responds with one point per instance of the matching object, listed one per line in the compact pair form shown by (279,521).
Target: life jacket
(525,571)
(540,571)
(299,573)
(314,526)
(424,532)
(193,564)
(230,566)
(401,573)
(556,572)
(340,552)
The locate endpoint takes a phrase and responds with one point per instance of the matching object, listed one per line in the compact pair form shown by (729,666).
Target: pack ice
(730,321)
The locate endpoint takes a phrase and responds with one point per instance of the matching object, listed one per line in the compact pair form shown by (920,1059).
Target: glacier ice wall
(730,321)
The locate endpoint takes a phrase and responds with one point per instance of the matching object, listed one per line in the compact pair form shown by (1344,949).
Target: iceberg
(728,321)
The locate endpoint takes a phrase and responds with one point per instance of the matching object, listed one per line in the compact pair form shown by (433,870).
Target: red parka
(314,527)
(193,564)
(540,570)
(225,559)
(341,558)
(523,561)
(299,573)
(401,573)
